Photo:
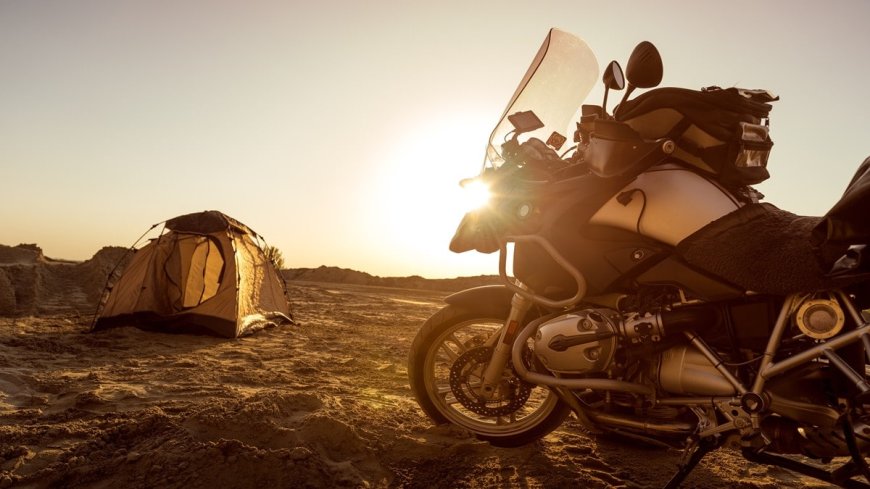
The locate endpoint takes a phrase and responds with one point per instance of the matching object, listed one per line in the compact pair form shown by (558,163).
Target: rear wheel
(445,367)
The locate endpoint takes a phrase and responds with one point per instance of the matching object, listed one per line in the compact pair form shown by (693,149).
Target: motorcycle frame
(751,400)
(739,414)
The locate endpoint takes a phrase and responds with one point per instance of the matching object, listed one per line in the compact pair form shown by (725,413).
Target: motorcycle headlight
(476,194)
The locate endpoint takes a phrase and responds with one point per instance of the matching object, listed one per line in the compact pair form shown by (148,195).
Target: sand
(322,404)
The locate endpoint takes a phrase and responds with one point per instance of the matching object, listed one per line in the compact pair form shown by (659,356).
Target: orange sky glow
(339,130)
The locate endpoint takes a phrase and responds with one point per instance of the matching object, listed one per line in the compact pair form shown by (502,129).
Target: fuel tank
(667,203)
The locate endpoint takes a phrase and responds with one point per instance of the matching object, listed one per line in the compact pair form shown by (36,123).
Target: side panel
(604,256)
(667,204)
(672,271)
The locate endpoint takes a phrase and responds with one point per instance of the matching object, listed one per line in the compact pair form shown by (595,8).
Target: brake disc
(466,379)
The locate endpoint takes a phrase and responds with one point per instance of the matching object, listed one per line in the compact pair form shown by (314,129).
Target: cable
(625,198)
(741,364)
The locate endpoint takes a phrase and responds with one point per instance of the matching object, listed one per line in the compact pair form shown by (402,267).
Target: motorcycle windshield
(558,80)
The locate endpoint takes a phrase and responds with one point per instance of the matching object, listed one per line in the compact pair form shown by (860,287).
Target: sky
(338,130)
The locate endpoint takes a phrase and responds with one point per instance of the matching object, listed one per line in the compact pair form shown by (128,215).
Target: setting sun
(420,198)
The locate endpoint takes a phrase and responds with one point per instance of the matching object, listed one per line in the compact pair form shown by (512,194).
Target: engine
(586,342)
(580,342)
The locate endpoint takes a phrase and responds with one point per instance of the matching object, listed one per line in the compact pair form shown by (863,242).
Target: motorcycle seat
(767,250)
(771,251)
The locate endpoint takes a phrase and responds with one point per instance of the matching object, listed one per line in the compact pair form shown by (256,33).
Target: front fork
(502,351)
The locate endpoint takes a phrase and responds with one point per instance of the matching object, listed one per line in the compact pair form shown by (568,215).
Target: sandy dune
(322,404)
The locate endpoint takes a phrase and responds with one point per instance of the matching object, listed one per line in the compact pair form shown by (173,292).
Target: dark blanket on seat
(763,249)
(848,222)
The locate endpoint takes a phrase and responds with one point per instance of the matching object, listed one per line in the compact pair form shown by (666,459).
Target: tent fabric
(206,274)
(206,222)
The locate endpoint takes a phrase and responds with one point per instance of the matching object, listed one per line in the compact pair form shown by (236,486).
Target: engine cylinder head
(579,342)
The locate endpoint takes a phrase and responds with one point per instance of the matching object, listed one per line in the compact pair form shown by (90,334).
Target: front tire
(443,339)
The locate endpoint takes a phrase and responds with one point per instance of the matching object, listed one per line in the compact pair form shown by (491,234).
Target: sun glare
(420,200)
(475,195)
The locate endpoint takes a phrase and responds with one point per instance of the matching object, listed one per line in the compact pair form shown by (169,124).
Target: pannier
(722,132)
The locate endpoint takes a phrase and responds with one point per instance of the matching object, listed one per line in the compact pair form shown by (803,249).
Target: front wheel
(445,368)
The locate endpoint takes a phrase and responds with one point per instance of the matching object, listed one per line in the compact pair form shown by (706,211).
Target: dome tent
(205,273)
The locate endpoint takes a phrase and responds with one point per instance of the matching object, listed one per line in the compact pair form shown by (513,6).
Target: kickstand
(701,449)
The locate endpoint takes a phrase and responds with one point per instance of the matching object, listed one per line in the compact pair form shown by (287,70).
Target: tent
(205,273)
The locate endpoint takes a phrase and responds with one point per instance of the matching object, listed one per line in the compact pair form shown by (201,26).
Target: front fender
(487,299)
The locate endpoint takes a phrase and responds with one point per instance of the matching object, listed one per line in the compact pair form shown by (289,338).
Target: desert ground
(324,403)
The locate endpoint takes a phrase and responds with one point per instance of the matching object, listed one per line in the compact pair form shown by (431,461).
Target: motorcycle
(651,292)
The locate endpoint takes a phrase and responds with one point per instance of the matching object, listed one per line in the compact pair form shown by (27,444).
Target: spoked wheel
(446,365)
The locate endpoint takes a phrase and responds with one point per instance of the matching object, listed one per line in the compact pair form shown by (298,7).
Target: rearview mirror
(613,80)
(644,69)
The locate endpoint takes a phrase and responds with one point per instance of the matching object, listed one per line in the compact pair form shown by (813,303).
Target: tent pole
(106,288)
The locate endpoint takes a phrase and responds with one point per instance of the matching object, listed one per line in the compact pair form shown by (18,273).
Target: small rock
(133,456)
(300,453)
